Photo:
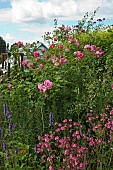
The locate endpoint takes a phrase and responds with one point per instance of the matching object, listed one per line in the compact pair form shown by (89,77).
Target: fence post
(22,58)
(9,55)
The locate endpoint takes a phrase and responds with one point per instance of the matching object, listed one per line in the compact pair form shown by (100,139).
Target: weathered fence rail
(6,64)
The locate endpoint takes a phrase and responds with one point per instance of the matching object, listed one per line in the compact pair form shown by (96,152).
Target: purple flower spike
(5,109)
(0,132)
(4,146)
(10,126)
(35,148)
(8,114)
(51,119)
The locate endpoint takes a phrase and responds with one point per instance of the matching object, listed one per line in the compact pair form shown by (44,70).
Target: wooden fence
(6,64)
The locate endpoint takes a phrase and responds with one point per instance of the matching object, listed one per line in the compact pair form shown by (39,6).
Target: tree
(2,45)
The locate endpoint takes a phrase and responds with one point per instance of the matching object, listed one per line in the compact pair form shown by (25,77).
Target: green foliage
(2,45)
(81,81)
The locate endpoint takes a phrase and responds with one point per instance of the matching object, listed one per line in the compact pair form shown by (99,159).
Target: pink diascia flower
(87,46)
(79,54)
(9,86)
(19,43)
(93,47)
(63,61)
(99,53)
(48,84)
(24,63)
(36,54)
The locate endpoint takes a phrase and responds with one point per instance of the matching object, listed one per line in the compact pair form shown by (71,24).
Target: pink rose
(48,84)
(19,43)
(61,46)
(24,63)
(9,86)
(41,65)
(52,46)
(36,54)
(42,88)
(55,39)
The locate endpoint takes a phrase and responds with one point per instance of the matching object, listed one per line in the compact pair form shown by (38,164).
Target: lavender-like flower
(5,109)
(35,149)
(51,119)
(0,132)
(11,126)
(4,146)
(8,114)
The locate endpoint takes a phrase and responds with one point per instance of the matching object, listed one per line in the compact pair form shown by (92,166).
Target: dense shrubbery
(71,78)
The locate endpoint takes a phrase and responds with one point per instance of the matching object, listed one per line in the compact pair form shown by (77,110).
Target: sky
(28,20)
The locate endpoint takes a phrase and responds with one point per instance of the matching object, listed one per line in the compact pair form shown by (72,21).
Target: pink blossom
(63,61)
(48,84)
(51,167)
(41,65)
(19,43)
(67,35)
(61,46)
(79,54)
(87,46)
(55,39)
(82,30)
(93,47)
(24,63)
(47,57)
(99,53)
(43,50)
(70,40)
(42,88)
(52,46)
(67,50)
(36,54)
(9,86)
(112,86)
(56,64)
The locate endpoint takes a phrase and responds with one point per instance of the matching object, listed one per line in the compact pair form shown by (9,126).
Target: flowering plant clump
(69,146)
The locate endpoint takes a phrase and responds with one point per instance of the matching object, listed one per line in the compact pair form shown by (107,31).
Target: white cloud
(8,37)
(5,15)
(35,11)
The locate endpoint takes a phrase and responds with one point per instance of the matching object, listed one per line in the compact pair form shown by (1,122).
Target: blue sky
(28,20)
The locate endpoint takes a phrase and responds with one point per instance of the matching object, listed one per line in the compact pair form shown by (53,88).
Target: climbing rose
(19,43)
(42,88)
(55,39)
(36,54)
(9,86)
(48,84)
(52,46)
(24,63)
